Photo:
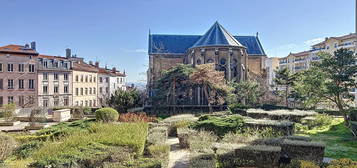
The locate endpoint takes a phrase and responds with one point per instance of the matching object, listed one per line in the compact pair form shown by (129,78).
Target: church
(240,57)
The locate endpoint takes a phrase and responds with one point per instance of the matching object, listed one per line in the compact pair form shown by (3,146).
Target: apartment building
(18,77)
(109,81)
(301,61)
(84,84)
(295,62)
(54,81)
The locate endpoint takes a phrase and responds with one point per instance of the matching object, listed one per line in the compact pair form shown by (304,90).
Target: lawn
(338,139)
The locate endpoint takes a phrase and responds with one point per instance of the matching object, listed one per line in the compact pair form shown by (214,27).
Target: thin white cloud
(313,41)
(139,50)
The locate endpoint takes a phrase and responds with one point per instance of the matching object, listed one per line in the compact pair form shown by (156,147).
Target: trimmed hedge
(283,128)
(291,115)
(303,150)
(240,155)
(219,125)
(107,115)
(202,160)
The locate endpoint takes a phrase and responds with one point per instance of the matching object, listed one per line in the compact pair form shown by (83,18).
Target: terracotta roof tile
(52,57)
(17,49)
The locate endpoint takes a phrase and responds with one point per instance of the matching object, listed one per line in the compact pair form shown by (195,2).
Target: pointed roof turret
(217,36)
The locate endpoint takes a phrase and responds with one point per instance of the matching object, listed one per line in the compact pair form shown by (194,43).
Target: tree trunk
(286,95)
(207,98)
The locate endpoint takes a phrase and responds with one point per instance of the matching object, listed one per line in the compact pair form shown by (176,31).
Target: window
(10,99)
(55,89)
(81,102)
(90,103)
(86,78)
(77,78)
(0,67)
(90,91)
(82,91)
(77,103)
(107,79)
(45,76)
(31,84)
(81,78)
(94,103)
(65,76)
(56,102)
(86,91)
(209,60)
(95,79)
(45,103)
(65,89)
(77,91)
(21,100)
(100,90)
(90,78)
(94,90)
(55,76)
(223,61)
(10,67)
(21,84)
(1,101)
(45,89)
(31,100)
(100,79)
(86,103)
(31,68)
(10,84)
(1,84)
(107,89)
(66,101)
(45,64)
(21,67)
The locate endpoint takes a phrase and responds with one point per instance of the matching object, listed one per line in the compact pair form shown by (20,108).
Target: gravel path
(179,158)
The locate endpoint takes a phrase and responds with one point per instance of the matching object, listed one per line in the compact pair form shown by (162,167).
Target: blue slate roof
(217,36)
(179,44)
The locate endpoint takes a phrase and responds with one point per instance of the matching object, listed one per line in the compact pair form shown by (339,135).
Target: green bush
(7,146)
(8,111)
(87,110)
(107,115)
(26,149)
(321,120)
(219,125)
(342,163)
(237,108)
(137,163)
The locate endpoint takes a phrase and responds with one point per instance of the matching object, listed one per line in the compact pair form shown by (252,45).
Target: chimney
(90,62)
(68,53)
(33,45)
(27,46)
(114,69)
(97,64)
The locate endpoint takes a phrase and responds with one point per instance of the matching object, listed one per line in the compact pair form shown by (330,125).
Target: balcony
(317,49)
(49,67)
(283,62)
(300,60)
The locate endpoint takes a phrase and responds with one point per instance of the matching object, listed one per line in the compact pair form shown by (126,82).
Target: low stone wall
(62,115)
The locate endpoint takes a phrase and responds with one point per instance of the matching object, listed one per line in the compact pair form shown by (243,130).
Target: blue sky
(115,32)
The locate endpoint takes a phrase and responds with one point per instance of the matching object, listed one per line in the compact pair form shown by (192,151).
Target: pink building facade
(18,75)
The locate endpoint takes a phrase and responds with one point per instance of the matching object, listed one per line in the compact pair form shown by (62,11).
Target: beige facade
(54,81)
(85,85)
(295,62)
(18,75)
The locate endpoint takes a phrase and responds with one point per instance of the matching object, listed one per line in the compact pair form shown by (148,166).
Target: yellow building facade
(85,85)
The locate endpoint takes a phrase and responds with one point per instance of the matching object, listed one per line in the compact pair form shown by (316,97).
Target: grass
(338,139)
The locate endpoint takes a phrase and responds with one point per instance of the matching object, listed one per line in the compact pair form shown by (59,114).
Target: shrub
(199,160)
(137,163)
(321,120)
(136,117)
(302,164)
(202,142)
(8,111)
(26,149)
(159,151)
(87,110)
(7,145)
(237,108)
(219,125)
(157,135)
(106,115)
(342,163)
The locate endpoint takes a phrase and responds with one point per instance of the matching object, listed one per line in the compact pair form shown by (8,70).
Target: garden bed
(291,115)
(284,128)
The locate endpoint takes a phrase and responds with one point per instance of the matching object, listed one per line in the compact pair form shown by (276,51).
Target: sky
(115,32)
